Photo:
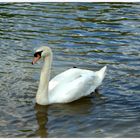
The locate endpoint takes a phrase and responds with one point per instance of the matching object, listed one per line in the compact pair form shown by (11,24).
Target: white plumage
(67,86)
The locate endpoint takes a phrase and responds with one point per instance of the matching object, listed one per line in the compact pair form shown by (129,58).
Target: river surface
(85,35)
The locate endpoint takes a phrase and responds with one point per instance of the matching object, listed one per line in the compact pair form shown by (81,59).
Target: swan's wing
(74,84)
(66,77)
(68,92)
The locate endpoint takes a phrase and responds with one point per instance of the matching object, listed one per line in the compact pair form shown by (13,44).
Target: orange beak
(35,59)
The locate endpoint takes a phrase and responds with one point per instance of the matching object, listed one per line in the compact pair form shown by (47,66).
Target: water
(86,35)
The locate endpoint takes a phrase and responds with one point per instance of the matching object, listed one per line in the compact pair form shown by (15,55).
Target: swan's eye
(38,53)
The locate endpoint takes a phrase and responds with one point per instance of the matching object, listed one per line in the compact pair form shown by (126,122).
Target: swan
(67,86)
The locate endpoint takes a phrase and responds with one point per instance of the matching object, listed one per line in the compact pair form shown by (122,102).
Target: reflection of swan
(66,87)
(42,119)
(52,117)
(44,124)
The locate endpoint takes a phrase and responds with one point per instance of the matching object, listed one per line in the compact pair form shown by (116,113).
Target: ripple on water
(86,35)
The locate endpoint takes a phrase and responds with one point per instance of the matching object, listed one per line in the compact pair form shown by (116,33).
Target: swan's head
(41,52)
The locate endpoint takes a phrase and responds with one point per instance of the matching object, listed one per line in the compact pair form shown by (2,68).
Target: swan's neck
(42,93)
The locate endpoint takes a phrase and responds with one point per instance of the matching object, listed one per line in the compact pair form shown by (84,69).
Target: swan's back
(73,84)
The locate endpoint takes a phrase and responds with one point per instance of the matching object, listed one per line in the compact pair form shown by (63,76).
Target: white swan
(67,86)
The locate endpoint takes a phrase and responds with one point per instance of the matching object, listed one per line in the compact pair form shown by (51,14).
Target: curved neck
(42,93)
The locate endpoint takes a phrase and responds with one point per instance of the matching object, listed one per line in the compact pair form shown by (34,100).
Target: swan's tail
(101,74)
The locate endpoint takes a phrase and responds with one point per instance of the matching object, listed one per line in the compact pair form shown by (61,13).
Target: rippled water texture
(86,35)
